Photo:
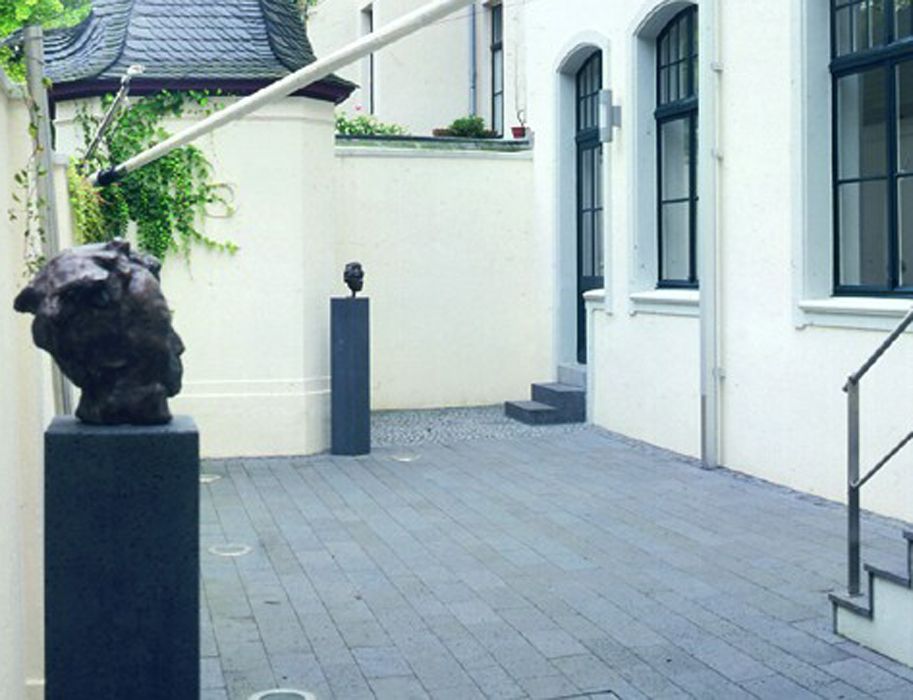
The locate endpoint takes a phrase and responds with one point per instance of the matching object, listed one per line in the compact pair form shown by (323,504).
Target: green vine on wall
(165,199)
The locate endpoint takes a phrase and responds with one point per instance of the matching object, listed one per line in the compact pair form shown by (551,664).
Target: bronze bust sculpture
(354,277)
(100,312)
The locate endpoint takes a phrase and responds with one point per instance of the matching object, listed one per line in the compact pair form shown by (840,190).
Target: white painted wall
(786,347)
(455,270)
(460,314)
(423,82)
(255,324)
(23,415)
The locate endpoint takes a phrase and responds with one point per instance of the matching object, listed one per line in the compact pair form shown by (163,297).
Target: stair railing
(854,482)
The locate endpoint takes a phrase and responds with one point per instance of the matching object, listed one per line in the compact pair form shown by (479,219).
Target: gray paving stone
(399,688)
(548,687)
(864,675)
(534,563)
(381,662)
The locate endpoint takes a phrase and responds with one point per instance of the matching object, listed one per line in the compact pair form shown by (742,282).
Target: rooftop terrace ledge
(431,147)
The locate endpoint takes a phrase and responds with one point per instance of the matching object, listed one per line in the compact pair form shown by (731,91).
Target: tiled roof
(181,41)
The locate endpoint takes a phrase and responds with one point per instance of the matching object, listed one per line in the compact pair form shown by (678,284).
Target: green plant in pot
(472,127)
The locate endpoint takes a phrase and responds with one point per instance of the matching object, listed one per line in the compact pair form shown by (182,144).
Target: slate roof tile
(181,40)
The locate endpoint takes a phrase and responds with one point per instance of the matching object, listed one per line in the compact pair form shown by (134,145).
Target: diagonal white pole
(405,25)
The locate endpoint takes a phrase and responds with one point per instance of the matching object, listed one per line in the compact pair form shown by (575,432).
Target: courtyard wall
(454,269)
(24,408)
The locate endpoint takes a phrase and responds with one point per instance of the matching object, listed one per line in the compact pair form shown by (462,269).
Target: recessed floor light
(283,694)
(229,550)
(209,478)
(406,457)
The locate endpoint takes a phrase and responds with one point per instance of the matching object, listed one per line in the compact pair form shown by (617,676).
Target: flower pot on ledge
(519,132)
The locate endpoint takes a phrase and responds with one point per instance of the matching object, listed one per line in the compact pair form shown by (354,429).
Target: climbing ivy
(165,199)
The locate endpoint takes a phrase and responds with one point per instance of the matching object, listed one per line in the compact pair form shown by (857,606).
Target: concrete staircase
(552,403)
(888,626)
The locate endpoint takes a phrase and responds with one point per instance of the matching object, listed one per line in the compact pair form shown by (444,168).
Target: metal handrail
(854,482)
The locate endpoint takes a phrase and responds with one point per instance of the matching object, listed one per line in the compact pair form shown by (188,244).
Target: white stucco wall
(23,415)
(255,324)
(782,411)
(454,269)
(423,82)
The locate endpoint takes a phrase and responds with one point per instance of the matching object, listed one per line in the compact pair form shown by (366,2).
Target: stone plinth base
(122,561)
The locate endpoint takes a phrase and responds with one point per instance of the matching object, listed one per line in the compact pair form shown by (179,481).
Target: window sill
(595,299)
(667,302)
(865,313)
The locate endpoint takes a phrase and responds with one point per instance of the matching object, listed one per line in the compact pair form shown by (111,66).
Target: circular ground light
(209,478)
(406,457)
(229,550)
(283,694)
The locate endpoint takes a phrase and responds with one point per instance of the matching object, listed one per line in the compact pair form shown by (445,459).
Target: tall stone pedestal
(350,382)
(122,561)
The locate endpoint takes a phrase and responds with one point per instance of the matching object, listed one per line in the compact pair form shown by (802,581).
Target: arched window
(872,69)
(676,129)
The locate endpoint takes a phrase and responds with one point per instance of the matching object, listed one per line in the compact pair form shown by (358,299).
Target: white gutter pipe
(709,240)
(405,25)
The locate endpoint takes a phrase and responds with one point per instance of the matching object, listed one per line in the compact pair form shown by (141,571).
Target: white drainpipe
(709,158)
(473,62)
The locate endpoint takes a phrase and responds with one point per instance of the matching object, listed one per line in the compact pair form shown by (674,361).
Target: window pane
(862,125)
(673,82)
(664,50)
(497,113)
(877,24)
(586,221)
(497,23)
(674,55)
(676,245)
(863,234)
(861,27)
(597,196)
(599,255)
(842,30)
(586,179)
(675,147)
(497,71)
(904,10)
(663,85)
(905,225)
(905,117)
(683,49)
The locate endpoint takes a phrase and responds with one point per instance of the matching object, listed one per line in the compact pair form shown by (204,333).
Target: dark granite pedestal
(350,382)
(122,561)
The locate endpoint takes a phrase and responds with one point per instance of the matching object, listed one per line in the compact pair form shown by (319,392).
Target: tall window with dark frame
(497,68)
(590,258)
(872,70)
(676,130)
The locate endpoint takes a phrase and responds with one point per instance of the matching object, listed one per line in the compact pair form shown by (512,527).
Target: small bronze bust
(99,311)
(354,277)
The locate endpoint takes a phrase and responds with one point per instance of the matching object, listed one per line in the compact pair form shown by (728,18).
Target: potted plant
(519,132)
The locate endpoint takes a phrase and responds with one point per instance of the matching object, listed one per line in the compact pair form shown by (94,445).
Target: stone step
(879,620)
(532,412)
(575,375)
(570,401)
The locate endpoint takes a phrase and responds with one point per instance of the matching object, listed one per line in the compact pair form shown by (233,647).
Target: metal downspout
(473,62)
(708,234)
(39,107)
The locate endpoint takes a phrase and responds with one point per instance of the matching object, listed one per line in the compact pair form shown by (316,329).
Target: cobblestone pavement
(565,565)
(445,425)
